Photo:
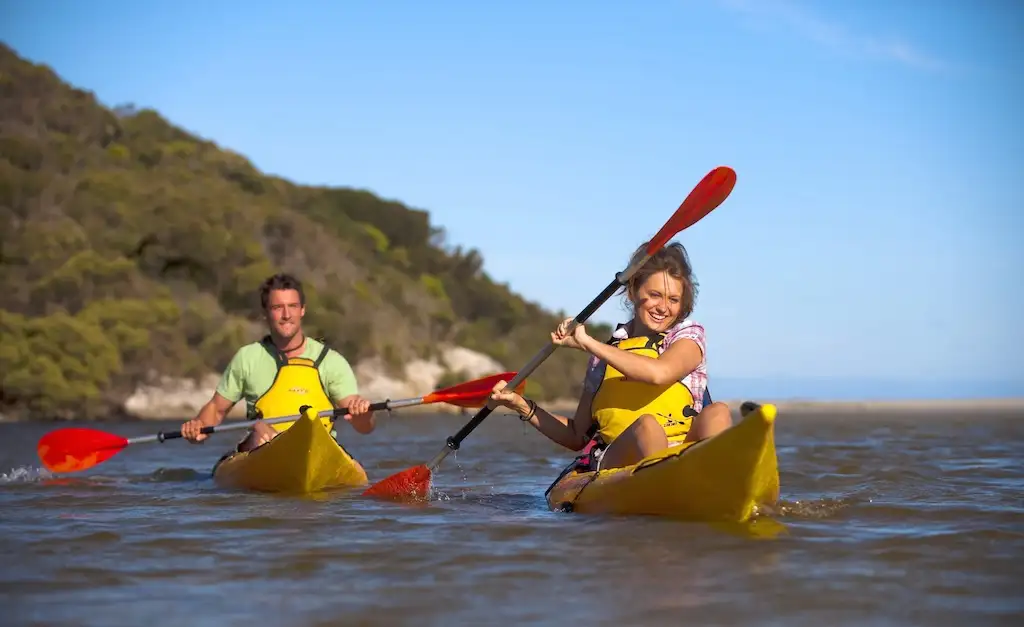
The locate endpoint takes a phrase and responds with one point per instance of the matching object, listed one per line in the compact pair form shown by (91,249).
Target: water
(885,520)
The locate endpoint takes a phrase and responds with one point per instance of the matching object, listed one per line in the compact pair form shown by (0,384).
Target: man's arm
(210,415)
(344,392)
(216,409)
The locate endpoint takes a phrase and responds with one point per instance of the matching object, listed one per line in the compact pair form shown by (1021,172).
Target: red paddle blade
(471,393)
(712,191)
(76,449)
(410,484)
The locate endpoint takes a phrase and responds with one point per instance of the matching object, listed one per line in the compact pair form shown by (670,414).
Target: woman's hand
(507,398)
(578,339)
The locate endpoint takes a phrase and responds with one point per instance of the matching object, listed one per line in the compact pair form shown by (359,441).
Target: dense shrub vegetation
(130,248)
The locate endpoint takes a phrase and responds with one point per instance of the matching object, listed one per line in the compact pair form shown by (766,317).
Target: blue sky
(871,246)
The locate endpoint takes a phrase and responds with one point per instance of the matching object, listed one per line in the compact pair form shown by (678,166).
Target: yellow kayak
(721,479)
(303,459)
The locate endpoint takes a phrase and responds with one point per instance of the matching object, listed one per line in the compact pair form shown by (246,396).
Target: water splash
(825,507)
(26,474)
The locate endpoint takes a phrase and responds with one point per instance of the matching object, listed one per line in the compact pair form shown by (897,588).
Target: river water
(886,519)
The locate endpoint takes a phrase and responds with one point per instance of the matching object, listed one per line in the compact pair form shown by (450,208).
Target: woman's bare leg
(644,437)
(711,421)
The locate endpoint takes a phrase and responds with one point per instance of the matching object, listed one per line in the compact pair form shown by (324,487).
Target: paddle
(709,193)
(74,449)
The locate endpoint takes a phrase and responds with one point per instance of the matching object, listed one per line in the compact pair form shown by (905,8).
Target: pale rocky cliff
(422,376)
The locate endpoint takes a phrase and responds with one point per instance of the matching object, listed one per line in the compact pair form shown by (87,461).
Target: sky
(870,249)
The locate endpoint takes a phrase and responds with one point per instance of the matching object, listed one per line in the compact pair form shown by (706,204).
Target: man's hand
(210,415)
(359,416)
(192,430)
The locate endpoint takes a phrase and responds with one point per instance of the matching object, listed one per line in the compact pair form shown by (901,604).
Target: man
(281,373)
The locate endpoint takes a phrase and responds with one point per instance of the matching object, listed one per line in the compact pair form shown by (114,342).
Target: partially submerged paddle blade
(712,191)
(75,449)
(408,485)
(471,393)
(414,483)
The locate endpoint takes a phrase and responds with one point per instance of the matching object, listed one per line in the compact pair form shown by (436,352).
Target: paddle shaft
(621,278)
(333,413)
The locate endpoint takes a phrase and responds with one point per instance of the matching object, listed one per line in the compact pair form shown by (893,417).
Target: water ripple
(882,522)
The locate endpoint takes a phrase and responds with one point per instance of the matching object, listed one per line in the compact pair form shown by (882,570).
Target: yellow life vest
(296,385)
(619,401)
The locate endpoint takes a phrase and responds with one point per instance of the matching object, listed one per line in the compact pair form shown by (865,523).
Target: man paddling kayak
(281,373)
(646,388)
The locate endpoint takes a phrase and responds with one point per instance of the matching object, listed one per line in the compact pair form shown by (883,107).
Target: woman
(645,389)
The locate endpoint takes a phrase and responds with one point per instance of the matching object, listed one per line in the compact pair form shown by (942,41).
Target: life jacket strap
(279,357)
(323,354)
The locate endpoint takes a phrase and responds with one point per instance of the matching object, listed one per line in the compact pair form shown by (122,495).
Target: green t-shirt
(252,370)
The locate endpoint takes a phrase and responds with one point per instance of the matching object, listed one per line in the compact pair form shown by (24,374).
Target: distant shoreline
(859,406)
(902,405)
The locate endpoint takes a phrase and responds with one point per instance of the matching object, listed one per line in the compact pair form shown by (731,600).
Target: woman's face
(657,301)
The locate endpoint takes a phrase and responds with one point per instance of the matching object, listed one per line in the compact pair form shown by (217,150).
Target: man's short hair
(281,282)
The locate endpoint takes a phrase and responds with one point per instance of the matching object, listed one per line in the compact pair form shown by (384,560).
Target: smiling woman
(646,388)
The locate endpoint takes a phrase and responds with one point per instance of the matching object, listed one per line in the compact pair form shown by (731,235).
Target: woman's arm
(569,432)
(679,360)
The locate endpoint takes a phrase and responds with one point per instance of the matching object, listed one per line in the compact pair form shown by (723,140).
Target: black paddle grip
(174,435)
(341,412)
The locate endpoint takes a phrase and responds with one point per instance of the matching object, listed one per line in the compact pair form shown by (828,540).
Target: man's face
(285,312)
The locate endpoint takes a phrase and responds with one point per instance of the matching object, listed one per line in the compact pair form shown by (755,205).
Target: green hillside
(130,248)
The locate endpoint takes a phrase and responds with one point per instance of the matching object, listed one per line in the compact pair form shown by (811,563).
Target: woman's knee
(711,421)
(648,431)
(718,412)
(644,437)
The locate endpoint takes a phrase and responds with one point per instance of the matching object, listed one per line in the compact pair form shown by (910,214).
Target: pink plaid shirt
(696,381)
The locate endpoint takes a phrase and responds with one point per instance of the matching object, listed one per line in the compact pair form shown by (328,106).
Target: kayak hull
(303,459)
(721,479)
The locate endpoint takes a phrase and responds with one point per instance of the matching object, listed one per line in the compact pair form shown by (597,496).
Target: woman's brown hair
(672,259)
